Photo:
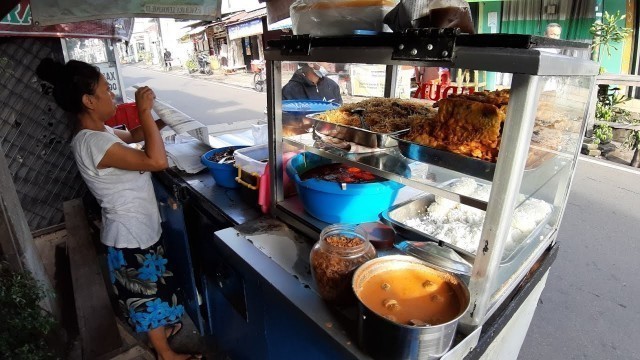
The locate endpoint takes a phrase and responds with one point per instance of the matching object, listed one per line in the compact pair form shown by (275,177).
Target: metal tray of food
(446,159)
(357,135)
(481,169)
(399,214)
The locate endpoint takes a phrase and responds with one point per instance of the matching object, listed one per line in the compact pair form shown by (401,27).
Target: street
(209,102)
(588,308)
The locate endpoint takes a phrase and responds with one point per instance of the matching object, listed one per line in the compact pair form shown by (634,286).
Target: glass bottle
(335,257)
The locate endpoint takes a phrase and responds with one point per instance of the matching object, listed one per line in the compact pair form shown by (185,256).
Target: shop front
(217,36)
(246,42)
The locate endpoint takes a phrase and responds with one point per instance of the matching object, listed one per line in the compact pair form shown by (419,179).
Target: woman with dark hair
(119,178)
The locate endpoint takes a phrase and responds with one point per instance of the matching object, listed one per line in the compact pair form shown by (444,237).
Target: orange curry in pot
(411,297)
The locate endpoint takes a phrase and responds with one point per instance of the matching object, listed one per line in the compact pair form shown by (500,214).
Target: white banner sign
(49,12)
(368,80)
(250,28)
(111,74)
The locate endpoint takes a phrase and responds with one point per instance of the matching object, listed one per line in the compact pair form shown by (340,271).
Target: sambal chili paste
(340,173)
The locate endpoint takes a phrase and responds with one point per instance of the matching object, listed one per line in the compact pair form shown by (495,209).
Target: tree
(607,33)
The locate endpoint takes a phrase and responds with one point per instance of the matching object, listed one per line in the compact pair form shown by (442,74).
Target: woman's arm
(136,135)
(154,157)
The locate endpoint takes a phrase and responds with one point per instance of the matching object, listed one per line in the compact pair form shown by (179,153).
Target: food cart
(263,289)
(258,299)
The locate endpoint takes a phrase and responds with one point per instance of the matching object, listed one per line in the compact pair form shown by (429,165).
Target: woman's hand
(144,99)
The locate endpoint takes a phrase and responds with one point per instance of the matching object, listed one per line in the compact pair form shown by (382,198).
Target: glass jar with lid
(335,257)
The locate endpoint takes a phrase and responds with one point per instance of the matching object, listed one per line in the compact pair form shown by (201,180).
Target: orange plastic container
(127,115)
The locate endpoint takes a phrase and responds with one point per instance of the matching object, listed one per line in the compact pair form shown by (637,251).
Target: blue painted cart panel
(176,244)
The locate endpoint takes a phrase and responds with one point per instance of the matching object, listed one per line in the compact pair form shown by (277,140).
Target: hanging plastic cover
(339,17)
(410,14)
(19,22)
(49,12)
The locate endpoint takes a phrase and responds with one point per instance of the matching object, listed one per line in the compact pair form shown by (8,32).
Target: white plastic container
(252,160)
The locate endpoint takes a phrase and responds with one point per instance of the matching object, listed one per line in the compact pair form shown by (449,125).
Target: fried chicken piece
(462,126)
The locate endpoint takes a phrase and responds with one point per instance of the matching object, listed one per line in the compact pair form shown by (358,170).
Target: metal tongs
(227,160)
(360,113)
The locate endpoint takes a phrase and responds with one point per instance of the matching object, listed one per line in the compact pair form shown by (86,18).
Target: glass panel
(100,53)
(555,144)
(556,139)
(92,51)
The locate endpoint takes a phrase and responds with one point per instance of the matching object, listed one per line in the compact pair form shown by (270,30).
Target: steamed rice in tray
(461,225)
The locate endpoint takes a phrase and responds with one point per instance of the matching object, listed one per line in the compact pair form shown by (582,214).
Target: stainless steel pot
(385,339)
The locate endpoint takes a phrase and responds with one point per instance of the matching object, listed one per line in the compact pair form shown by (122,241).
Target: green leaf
(140,259)
(129,278)
(135,303)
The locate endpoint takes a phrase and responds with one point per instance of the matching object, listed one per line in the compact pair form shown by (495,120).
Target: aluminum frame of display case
(528,66)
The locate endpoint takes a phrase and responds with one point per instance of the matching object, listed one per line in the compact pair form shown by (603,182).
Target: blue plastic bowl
(304,107)
(223,174)
(326,201)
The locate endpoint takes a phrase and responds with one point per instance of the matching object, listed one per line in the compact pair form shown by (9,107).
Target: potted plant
(25,329)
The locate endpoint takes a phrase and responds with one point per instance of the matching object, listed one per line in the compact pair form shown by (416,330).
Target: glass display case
(518,199)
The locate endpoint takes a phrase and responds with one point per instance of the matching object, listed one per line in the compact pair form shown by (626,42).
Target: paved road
(206,101)
(589,308)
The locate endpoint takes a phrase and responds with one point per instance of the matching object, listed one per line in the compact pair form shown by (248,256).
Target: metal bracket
(426,44)
(295,45)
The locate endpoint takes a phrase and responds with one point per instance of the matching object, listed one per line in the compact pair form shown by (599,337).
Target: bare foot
(169,332)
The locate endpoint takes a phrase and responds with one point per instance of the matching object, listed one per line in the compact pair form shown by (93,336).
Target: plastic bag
(260,133)
(339,17)
(430,13)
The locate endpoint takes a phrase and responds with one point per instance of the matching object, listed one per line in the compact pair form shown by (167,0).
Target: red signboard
(19,22)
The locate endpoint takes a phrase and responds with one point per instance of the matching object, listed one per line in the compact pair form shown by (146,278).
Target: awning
(48,12)
(244,16)
(19,22)
(279,25)
(245,24)
(196,30)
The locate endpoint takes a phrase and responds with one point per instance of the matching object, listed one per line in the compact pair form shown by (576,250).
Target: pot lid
(440,257)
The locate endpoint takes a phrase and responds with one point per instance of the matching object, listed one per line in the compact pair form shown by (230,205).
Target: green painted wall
(485,9)
(613,63)
(534,27)
(483,28)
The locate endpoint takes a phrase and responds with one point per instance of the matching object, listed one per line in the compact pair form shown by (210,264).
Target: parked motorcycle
(204,64)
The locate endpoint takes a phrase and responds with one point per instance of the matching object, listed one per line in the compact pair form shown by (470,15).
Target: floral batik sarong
(144,286)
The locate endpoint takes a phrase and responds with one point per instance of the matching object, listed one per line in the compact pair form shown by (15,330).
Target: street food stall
(489,221)
(468,197)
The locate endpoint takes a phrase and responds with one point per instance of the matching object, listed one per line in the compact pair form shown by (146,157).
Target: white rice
(461,225)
